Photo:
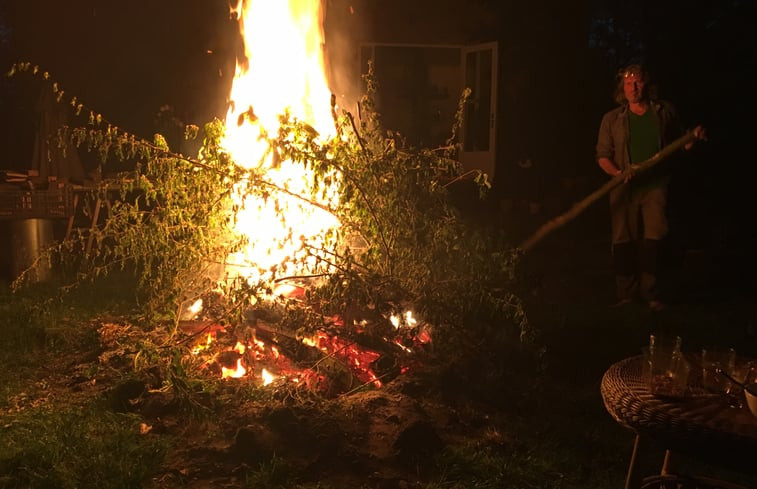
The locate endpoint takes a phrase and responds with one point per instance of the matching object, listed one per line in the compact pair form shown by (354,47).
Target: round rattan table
(698,424)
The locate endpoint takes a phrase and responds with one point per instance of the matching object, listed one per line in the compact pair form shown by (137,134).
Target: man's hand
(609,167)
(629,173)
(699,135)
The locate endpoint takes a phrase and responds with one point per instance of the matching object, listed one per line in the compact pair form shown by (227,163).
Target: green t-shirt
(643,141)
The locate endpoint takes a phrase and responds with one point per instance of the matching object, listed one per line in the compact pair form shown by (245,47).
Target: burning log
(336,358)
(362,357)
(617,180)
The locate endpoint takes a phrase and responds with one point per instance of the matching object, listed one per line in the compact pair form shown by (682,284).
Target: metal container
(29,237)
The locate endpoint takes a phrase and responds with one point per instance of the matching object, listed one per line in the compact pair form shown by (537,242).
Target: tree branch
(617,180)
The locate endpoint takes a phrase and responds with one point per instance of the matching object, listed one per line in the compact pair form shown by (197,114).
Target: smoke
(344,28)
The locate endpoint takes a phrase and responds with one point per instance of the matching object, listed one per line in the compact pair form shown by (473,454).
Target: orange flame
(198,348)
(268,377)
(284,73)
(236,373)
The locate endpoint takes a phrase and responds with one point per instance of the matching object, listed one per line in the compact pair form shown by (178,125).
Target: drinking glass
(665,371)
(664,342)
(715,360)
(743,372)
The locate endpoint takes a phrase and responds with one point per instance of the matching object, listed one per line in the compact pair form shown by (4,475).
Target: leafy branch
(172,220)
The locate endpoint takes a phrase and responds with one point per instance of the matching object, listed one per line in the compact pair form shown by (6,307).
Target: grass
(39,321)
(47,442)
(60,447)
(550,433)
(276,473)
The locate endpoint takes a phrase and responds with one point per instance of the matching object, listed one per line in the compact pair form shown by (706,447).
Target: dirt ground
(387,438)
(382,438)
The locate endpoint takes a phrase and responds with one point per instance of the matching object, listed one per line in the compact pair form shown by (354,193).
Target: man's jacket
(612,141)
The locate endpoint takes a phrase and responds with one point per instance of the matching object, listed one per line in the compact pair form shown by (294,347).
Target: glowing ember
(285,73)
(257,355)
(358,359)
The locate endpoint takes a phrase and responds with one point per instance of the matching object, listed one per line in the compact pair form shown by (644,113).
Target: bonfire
(302,244)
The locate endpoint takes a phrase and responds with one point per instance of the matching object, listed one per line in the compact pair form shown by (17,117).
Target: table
(699,424)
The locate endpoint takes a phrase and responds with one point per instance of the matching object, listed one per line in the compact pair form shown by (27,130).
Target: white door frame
(480,148)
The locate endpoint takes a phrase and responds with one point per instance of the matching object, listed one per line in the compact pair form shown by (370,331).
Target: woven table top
(698,423)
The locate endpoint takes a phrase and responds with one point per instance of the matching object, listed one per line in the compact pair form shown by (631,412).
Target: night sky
(128,59)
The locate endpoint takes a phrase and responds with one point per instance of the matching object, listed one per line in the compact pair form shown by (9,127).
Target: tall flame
(284,72)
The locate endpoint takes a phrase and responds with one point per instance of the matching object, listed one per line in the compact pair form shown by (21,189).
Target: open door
(419,89)
(480,121)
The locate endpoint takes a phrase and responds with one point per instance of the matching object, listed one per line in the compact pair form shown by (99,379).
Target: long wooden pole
(617,180)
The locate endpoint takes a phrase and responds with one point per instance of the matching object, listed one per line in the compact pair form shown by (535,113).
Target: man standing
(629,134)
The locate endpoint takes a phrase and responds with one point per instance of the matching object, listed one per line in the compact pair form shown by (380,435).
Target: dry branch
(617,180)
